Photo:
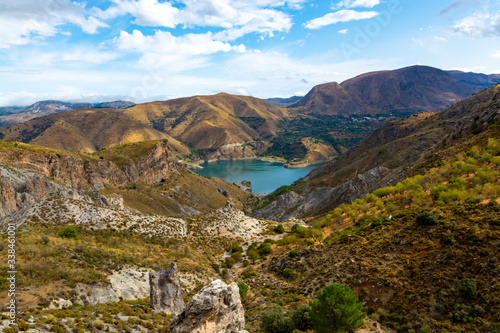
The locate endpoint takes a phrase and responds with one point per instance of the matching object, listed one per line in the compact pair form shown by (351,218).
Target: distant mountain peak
(398,92)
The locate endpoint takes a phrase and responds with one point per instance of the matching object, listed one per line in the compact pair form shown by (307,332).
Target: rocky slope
(399,92)
(29,174)
(74,171)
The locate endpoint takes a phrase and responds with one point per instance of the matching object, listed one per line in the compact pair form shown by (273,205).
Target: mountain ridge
(400,92)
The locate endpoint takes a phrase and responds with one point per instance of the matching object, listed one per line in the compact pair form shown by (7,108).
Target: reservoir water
(265,176)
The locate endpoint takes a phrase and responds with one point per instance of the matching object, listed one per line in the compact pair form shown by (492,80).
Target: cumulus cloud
(496,54)
(164,42)
(345,15)
(237,18)
(356,3)
(479,25)
(27,20)
(177,53)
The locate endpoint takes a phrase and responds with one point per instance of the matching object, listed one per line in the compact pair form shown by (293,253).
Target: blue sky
(144,50)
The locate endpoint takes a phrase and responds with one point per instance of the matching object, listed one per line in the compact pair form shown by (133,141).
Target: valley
(404,208)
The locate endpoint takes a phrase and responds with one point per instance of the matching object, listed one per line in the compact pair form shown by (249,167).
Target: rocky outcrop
(130,283)
(166,290)
(233,151)
(73,171)
(20,189)
(216,308)
(7,197)
(95,294)
(293,205)
(245,185)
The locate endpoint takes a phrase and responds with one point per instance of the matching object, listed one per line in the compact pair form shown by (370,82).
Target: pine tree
(336,309)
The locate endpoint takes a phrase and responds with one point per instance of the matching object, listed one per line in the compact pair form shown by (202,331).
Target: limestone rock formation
(216,308)
(20,188)
(72,171)
(166,290)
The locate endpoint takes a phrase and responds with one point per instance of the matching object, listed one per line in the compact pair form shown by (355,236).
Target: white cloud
(236,17)
(343,31)
(165,43)
(479,25)
(439,39)
(356,3)
(25,21)
(339,16)
(496,54)
(175,53)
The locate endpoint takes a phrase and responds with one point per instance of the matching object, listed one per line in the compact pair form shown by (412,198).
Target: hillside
(385,156)
(86,130)
(145,177)
(398,92)
(208,122)
(422,254)
(204,123)
(19,114)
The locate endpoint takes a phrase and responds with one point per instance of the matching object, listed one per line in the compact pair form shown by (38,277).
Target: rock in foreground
(216,308)
(166,290)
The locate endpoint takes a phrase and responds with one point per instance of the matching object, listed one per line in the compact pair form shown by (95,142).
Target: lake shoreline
(265,175)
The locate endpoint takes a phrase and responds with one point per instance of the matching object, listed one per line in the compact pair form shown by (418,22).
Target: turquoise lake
(265,176)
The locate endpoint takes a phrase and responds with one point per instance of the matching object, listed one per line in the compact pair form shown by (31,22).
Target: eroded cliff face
(26,177)
(74,171)
(20,188)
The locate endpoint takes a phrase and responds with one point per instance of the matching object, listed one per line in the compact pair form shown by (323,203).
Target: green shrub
(301,318)
(264,249)
(235,249)
(272,320)
(426,218)
(279,229)
(336,309)
(253,255)
(68,232)
(243,289)
(248,273)
(468,288)
(216,268)
(292,254)
(229,262)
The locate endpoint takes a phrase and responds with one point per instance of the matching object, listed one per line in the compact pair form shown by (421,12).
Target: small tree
(336,309)
(273,320)
(426,218)
(301,318)
(468,288)
(68,232)
(279,229)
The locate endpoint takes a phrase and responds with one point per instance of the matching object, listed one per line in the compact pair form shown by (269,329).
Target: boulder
(166,290)
(216,308)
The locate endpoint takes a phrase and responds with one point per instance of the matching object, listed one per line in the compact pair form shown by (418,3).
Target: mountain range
(17,114)
(224,126)
(407,217)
